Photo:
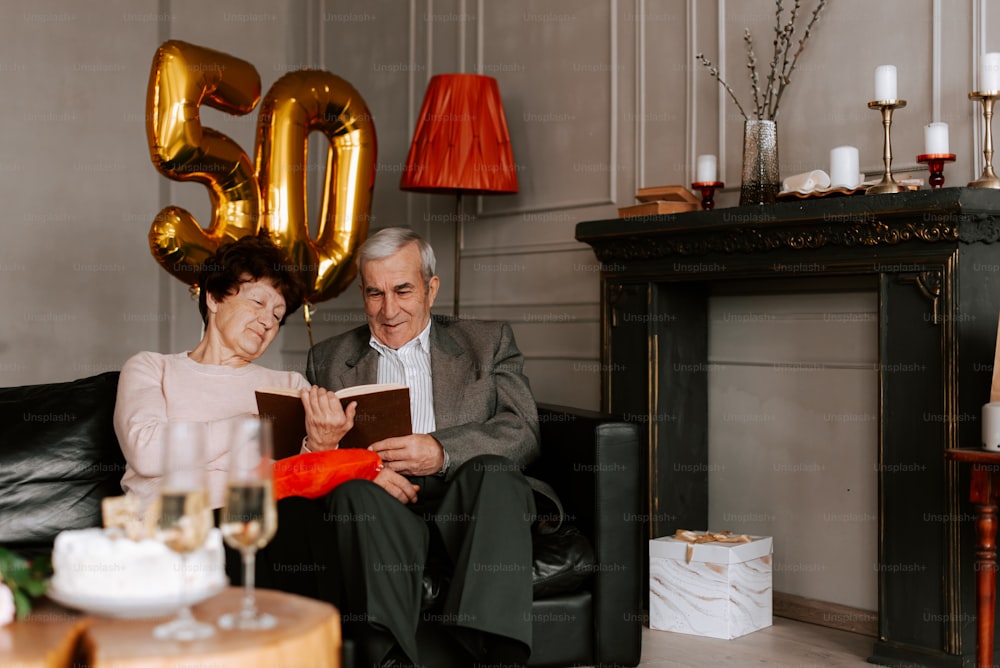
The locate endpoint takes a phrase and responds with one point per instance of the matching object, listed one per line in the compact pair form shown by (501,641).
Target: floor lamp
(461,145)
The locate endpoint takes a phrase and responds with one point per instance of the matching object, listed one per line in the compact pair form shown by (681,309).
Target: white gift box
(723,592)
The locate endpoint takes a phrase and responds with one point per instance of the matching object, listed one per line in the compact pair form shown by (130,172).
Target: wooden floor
(786,644)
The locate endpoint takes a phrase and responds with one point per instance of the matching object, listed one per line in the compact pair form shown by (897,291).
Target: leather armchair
(59,457)
(593,462)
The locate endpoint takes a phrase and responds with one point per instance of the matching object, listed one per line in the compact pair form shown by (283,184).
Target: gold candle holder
(887,184)
(988,179)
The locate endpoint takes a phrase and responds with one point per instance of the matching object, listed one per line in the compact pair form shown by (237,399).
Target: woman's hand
(399,486)
(326,419)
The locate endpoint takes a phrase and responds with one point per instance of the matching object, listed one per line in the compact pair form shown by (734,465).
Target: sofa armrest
(594,463)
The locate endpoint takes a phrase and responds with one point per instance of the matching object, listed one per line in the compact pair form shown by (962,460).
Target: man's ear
(432,289)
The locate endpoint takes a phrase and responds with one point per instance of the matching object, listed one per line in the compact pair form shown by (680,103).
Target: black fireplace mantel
(964,215)
(933,258)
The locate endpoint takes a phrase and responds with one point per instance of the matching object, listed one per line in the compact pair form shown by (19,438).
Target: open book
(383,411)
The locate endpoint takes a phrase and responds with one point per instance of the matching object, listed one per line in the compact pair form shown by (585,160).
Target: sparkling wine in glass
(185,516)
(249,516)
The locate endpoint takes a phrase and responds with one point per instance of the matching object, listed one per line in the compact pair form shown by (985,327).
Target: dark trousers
(365,552)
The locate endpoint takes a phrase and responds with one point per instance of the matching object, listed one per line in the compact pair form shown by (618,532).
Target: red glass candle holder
(935,163)
(707,189)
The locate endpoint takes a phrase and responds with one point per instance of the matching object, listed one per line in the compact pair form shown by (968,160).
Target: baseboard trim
(824,613)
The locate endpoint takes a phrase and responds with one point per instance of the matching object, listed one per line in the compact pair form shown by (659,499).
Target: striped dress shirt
(410,365)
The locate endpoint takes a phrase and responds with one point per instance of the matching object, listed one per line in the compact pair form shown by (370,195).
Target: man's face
(397,302)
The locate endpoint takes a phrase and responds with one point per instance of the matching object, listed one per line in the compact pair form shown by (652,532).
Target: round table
(308,633)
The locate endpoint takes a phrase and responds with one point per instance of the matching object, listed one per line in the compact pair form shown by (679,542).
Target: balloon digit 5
(182,78)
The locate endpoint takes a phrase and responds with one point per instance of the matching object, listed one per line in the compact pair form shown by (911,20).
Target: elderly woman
(246,295)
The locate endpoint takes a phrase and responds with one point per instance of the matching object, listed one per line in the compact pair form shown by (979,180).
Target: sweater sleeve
(141,413)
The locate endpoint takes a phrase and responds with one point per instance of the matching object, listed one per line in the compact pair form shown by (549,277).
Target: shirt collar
(422,340)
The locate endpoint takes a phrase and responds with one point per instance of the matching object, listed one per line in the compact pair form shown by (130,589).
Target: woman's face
(247,321)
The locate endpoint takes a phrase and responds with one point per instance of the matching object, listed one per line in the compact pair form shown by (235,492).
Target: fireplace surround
(933,258)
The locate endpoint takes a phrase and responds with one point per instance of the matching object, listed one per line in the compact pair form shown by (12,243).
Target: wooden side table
(984,493)
(307,634)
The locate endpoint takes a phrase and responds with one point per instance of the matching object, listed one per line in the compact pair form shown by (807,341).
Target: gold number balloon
(182,78)
(270,194)
(297,104)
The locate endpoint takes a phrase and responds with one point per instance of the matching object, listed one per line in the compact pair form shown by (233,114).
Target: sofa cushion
(562,561)
(58,457)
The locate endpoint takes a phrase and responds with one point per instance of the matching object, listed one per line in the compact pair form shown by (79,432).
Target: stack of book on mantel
(661,199)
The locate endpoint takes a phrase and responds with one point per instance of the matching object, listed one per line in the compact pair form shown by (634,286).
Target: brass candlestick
(988,179)
(887,184)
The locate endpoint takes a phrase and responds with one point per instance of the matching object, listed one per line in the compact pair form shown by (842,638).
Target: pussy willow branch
(714,71)
(758,103)
(786,74)
(774,56)
(785,33)
(783,61)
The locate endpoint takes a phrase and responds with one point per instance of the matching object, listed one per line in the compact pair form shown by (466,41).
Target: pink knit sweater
(153,388)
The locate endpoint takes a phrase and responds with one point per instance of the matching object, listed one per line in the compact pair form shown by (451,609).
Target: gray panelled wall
(601,97)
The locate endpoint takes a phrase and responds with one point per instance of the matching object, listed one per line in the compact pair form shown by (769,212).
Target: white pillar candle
(707,169)
(885,83)
(991,426)
(936,138)
(844,171)
(989,76)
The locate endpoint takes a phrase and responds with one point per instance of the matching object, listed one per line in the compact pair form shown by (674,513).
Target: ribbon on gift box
(693,538)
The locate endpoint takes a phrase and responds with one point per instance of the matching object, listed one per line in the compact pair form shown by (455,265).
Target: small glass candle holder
(935,164)
(707,189)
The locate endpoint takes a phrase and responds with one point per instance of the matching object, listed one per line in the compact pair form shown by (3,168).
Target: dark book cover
(383,411)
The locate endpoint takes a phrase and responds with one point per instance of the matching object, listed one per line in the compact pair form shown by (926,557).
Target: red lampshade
(461,141)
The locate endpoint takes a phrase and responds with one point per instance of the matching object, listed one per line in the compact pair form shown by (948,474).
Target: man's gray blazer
(482,401)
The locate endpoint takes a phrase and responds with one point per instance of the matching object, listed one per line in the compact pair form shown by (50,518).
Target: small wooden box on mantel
(657,200)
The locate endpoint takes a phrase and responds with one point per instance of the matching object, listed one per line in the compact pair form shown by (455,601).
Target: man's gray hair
(389,240)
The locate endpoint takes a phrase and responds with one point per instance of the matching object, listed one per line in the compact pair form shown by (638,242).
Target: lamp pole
(459,230)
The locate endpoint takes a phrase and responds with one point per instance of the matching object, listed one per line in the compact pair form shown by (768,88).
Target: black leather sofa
(59,457)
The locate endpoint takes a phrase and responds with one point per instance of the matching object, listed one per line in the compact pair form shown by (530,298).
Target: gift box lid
(669,547)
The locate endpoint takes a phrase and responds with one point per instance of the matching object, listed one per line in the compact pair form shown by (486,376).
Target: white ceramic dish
(133,608)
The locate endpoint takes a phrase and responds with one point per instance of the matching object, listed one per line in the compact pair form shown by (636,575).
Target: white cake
(104,563)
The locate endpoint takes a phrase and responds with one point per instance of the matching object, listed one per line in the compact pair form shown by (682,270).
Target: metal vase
(761,181)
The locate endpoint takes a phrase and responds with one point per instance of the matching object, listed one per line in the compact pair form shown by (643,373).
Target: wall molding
(640,93)
(612,196)
(978,43)
(526,249)
(690,122)
(720,96)
(936,60)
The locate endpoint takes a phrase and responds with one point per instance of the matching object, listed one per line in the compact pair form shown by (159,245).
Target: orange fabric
(313,474)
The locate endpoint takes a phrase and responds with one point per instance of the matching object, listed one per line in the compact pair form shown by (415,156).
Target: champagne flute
(249,515)
(185,518)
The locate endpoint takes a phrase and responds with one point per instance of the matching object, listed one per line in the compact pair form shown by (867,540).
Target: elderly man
(451,499)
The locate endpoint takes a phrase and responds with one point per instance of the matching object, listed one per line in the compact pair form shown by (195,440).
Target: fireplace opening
(793,428)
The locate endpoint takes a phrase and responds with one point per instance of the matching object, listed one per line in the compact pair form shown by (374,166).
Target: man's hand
(397,485)
(416,454)
(326,419)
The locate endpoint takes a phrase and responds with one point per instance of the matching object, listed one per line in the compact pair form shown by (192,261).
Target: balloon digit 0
(299,103)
